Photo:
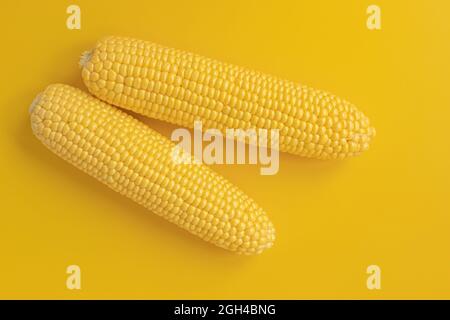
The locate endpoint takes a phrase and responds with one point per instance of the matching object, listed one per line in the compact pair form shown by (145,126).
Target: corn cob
(136,161)
(181,87)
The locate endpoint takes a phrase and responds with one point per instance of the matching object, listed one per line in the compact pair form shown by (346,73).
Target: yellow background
(389,207)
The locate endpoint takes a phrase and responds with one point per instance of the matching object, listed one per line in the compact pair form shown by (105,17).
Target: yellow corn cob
(136,161)
(180,87)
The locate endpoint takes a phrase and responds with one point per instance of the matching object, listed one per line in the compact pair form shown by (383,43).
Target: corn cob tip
(34,103)
(85,58)
(360,140)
